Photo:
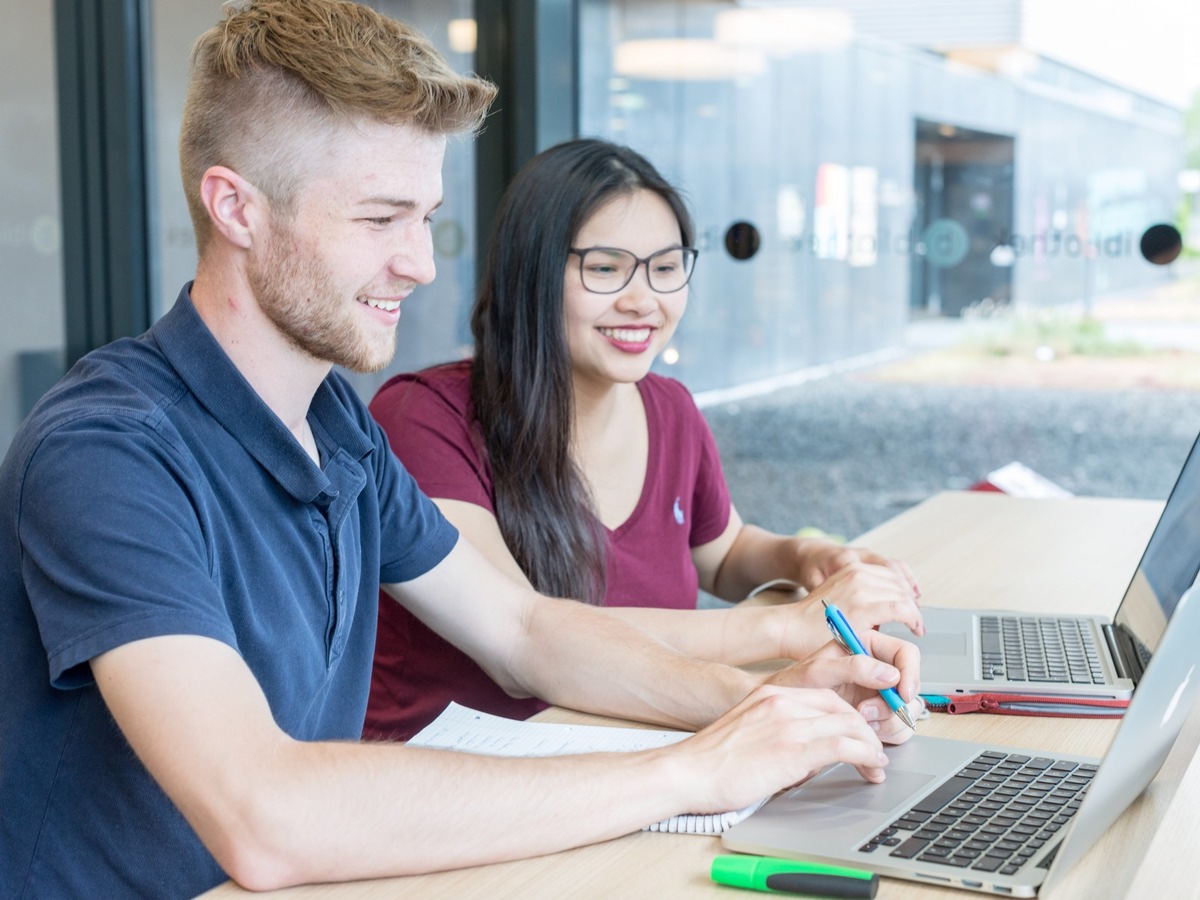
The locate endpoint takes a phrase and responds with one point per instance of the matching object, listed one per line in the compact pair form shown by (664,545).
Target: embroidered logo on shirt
(679,517)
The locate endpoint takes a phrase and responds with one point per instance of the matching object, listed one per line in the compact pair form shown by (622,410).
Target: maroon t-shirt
(430,422)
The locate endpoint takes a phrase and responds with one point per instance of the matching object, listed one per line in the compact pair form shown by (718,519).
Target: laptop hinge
(1116,651)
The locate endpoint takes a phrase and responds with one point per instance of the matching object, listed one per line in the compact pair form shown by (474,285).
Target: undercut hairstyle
(276,82)
(521,383)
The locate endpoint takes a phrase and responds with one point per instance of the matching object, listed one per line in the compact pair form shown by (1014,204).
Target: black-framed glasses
(606,270)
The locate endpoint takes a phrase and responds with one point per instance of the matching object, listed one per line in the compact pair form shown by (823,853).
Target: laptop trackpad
(843,786)
(945,643)
(953,642)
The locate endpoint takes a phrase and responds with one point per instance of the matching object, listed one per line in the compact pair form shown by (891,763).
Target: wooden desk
(974,549)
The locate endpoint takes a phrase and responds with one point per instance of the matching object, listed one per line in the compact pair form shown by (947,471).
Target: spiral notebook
(471,731)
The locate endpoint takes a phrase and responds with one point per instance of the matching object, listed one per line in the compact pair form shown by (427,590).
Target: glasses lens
(669,270)
(605,270)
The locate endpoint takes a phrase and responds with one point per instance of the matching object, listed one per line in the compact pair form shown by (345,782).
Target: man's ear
(235,206)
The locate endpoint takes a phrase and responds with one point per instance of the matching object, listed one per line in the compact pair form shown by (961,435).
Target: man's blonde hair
(277,80)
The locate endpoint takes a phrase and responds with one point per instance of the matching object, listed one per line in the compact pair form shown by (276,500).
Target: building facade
(851,165)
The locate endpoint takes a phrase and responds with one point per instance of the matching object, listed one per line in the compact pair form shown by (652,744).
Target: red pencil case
(1028,705)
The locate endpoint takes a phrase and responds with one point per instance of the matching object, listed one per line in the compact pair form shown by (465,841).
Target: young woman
(560,455)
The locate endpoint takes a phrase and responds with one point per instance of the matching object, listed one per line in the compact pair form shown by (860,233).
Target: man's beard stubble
(298,295)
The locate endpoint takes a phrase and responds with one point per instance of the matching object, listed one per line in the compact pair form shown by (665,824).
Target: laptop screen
(1168,568)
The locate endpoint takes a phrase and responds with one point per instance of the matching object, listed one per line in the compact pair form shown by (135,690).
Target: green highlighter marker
(790,876)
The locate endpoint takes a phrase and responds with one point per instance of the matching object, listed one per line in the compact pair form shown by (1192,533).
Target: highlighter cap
(761,873)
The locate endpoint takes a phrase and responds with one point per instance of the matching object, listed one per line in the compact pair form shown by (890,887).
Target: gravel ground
(846,453)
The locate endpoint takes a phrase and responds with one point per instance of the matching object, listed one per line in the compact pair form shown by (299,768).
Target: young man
(196,523)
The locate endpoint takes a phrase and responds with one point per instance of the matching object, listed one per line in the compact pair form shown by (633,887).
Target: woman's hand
(820,559)
(868,596)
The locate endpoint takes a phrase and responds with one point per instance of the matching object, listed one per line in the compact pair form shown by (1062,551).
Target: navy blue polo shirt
(152,492)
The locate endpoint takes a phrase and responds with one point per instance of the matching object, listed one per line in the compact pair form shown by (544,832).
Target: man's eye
(385,220)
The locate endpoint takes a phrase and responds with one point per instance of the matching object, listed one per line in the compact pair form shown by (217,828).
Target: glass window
(32,339)
(990,179)
(434,326)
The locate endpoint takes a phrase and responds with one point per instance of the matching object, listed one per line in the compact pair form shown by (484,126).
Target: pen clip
(837,635)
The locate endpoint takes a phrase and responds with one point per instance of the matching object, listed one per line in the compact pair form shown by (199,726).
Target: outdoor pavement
(845,452)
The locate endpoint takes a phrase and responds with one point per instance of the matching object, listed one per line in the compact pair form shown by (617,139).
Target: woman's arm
(746,556)
(870,589)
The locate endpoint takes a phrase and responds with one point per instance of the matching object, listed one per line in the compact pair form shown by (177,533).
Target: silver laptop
(970,651)
(988,818)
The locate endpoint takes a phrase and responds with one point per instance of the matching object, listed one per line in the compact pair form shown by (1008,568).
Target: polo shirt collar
(223,391)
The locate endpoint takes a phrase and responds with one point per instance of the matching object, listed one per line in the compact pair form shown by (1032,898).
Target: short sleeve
(711,502)
(112,548)
(710,493)
(428,422)
(414,535)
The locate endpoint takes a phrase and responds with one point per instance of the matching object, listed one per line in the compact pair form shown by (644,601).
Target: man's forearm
(735,637)
(275,811)
(564,651)
(584,658)
(334,812)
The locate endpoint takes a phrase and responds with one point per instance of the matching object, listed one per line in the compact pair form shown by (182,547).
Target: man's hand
(858,679)
(776,737)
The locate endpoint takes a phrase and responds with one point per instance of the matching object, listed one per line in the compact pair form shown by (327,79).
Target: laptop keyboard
(993,816)
(1026,648)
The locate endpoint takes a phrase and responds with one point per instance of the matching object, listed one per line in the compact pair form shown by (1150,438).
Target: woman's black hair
(521,376)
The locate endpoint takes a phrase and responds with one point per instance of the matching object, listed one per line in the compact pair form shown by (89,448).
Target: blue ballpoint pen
(844,635)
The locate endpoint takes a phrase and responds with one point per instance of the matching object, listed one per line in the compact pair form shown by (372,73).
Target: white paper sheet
(472,731)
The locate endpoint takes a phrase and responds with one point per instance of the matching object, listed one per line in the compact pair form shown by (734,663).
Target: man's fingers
(787,698)
(832,668)
(903,655)
(884,721)
(779,736)
(822,740)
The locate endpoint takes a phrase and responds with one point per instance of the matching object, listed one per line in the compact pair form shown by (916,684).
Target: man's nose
(412,258)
